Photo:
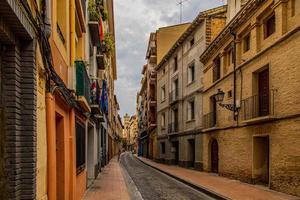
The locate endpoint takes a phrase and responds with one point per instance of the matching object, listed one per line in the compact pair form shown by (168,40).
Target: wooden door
(214,156)
(263,93)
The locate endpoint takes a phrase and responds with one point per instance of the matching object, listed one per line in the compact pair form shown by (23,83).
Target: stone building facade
(159,43)
(179,92)
(253,66)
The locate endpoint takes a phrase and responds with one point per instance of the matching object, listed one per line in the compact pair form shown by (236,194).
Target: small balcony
(83,86)
(100,60)
(95,100)
(173,96)
(258,108)
(209,120)
(153,78)
(173,127)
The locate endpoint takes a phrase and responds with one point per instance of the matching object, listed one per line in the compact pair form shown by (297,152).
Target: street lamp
(219,97)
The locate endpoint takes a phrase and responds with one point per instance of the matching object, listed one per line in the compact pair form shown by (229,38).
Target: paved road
(154,185)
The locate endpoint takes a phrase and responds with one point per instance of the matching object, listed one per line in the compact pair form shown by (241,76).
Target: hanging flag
(104,98)
(101,29)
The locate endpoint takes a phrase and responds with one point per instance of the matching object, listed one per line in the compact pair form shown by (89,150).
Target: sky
(134,21)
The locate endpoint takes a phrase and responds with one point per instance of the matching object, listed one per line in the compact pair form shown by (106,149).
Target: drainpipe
(234,75)
(50,116)
(72,31)
(51,146)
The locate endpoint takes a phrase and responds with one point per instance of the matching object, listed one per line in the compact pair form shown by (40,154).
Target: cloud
(134,20)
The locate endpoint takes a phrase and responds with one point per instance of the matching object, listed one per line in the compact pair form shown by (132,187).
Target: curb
(193,185)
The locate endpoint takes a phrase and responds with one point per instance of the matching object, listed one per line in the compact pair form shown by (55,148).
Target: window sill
(80,169)
(162,101)
(259,119)
(191,83)
(191,120)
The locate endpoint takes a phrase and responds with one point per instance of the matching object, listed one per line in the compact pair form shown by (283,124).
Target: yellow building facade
(251,97)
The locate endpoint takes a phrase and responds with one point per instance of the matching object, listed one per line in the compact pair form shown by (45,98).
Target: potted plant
(93,11)
(108,44)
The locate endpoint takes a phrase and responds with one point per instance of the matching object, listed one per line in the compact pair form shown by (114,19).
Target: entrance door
(60,159)
(176,148)
(90,157)
(263,93)
(214,156)
(192,152)
(261,155)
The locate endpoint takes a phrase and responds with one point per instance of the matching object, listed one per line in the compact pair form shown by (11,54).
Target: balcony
(83,86)
(173,127)
(258,108)
(94,32)
(153,78)
(173,96)
(100,60)
(209,120)
(95,100)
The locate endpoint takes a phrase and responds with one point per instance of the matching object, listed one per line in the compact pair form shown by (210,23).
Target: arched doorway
(214,156)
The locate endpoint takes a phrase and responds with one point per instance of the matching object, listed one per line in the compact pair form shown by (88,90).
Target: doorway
(175,146)
(60,160)
(90,156)
(214,156)
(261,156)
(191,153)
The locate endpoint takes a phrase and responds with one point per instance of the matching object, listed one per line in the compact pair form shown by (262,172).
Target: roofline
(233,24)
(199,19)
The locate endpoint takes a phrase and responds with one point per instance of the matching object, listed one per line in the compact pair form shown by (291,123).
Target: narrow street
(152,184)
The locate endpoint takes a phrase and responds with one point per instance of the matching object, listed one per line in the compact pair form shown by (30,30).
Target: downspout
(72,186)
(234,75)
(50,114)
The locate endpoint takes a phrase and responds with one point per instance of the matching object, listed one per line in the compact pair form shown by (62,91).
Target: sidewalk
(226,187)
(110,184)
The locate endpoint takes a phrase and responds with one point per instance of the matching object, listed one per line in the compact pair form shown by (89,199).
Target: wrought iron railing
(209,120)
(173,127)
(83,84)
(258,106)
(173,95)
(95,93)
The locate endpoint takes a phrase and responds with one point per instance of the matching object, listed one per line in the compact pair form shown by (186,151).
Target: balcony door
(263,93)
(175,112)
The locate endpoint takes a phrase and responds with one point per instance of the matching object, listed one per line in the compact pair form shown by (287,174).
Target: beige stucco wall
(280,53)
(41,168)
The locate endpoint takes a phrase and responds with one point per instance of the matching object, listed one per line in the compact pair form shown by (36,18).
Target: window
(293,7)
(163,93)
(217,69)
(246,42)
(269,26)
(229,94)
(191,73)
(175,64)
(192,42)
(80,147)
(163,147)
(163,121)
(61,20)
(163,71)
(191,110)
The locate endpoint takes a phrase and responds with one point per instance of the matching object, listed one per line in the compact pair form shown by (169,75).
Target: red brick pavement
(110,185)
(229,188)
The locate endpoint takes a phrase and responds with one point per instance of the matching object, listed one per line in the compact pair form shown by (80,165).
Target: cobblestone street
(154,185)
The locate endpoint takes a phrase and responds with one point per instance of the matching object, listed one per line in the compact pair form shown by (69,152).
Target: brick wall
(19,74)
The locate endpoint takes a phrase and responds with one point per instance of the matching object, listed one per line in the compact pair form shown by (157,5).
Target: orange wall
(81,184)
